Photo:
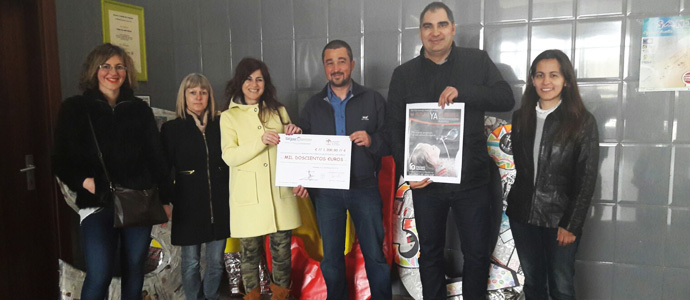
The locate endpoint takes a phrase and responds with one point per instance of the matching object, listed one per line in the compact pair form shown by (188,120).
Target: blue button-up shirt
(339,109)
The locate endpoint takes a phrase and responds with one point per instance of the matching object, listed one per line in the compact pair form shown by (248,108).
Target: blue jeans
(191,275)
(100,241)
(365,208)
(544,262)
(471,216)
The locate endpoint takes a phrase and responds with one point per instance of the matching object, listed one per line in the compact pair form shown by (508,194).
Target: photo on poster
(433,142)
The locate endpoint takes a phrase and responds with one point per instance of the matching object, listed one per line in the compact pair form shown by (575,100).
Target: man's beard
(345,82)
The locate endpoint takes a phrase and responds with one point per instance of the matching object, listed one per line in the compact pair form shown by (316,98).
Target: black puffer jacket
(201,210)
(127,135)
(566,175)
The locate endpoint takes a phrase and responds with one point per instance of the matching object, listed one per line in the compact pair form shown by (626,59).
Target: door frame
(52,99)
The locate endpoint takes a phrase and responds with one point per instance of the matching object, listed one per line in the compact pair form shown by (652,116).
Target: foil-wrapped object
(70,196)
(513,293)
(264,277)
(234,271)
(232,267)
(165,281)
(70,282)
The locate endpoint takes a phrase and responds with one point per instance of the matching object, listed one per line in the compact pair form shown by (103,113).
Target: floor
(225,294)
(399,292)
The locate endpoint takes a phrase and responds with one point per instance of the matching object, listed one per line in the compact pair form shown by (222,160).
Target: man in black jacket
(344,107)
(445,74)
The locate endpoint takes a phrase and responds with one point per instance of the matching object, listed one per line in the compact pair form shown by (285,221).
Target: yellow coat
(257,206)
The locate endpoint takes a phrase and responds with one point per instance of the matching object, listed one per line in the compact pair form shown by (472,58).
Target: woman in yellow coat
(249,135)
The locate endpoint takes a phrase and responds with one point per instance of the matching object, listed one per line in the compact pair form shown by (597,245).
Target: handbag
(131,207)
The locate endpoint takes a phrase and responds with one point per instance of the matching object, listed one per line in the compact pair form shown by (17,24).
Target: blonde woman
(200,202)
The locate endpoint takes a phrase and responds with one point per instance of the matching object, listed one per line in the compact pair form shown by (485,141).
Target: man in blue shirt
(344,107)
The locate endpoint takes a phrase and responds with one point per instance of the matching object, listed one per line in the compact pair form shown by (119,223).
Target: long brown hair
(268,102)
(572,109)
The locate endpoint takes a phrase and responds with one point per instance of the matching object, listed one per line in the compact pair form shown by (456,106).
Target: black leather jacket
(566,175)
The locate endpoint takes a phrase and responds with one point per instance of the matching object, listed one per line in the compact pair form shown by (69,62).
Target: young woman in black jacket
(129,141)
(200,202)
(556,151)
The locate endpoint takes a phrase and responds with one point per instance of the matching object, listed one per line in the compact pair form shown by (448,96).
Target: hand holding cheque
(316,161)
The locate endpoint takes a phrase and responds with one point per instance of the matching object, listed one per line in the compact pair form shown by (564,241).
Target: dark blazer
(200,200)
(566,175)
(127,135)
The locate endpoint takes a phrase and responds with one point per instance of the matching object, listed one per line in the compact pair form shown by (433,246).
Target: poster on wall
(123,25)
(433,142)
(665,54)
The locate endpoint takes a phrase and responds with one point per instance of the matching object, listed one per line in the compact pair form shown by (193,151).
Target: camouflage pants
(253,251)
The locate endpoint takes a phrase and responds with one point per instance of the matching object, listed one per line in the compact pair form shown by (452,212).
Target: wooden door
(29,87)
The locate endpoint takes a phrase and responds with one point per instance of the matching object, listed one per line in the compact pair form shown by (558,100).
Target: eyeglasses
(118,68)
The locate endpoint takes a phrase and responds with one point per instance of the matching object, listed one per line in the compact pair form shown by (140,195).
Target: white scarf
(200,122)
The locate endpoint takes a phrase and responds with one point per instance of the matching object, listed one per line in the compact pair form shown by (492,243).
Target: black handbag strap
(100,155)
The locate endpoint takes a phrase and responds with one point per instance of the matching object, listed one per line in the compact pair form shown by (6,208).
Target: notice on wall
(124,32)
(665,54)
(123,25)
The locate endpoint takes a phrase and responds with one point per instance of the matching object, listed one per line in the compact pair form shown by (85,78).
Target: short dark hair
(434,6)
(335,44)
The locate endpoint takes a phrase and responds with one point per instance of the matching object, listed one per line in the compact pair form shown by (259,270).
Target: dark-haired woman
(201,214)
(128,137)
(249,135)
(556,153)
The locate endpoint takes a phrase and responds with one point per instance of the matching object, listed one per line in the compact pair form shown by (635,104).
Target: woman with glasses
(249,136)
(127,135)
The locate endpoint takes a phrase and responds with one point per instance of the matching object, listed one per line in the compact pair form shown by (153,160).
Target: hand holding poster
(433,142)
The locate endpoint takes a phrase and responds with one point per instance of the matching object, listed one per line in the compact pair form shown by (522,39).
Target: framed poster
(123,25)
(433,142)
(665,54)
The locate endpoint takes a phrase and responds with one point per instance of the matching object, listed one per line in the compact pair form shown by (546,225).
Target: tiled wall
(636,243)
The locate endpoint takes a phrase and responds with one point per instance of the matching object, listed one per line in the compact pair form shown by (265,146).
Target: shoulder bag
(132,207)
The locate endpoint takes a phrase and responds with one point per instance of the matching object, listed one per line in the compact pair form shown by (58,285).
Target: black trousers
(470,210)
